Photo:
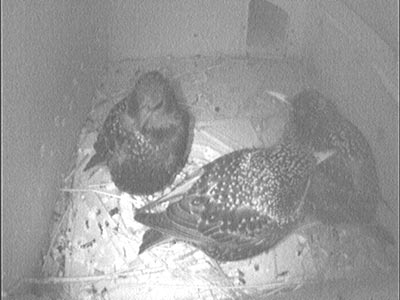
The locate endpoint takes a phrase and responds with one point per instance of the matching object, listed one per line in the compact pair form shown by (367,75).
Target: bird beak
(144,117)
(279,96)
(322,156)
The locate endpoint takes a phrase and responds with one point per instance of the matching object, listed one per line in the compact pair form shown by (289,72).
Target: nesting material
(94,252)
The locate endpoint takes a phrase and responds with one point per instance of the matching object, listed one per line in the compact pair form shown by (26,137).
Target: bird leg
(275,264)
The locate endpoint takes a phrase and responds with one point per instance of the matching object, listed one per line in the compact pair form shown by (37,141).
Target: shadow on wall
(267,26)
(53,53)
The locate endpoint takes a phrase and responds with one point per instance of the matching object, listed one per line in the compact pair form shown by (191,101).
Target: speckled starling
(145,139)
(345,188)
(243,204)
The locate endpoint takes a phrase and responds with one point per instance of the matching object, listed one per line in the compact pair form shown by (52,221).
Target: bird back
(244,203)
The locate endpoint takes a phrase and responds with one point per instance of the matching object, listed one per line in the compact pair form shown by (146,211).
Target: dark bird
(345,188)
(145,139)
(243,204)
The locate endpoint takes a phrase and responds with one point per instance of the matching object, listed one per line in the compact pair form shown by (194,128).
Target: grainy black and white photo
(200,149)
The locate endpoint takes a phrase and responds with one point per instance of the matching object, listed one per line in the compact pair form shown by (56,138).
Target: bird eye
(196,202)
(212,217)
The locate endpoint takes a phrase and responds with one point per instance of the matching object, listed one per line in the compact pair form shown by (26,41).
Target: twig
(57,229)
(124,275)
(90,191)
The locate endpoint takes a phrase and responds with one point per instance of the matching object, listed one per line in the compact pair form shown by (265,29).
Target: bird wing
(109,136)
(229,206)
(221,234)
(177,193)
(358,161)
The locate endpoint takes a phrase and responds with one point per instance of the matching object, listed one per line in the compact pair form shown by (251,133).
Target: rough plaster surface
(52,55)
(382,16)
(180,28)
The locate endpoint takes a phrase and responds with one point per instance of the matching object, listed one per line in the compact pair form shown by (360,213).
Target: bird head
(152,100)
(311,116)
(310,109)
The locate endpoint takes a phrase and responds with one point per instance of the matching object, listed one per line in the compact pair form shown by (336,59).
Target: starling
(145,139)
(345,188)
(243,204)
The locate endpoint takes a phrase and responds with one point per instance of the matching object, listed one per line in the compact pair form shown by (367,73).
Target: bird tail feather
(162,223)
(152,238)
(96,159)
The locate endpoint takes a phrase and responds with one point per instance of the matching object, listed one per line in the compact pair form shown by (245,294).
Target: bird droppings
(101,228)
(88,244)
(282,274)
(113,211)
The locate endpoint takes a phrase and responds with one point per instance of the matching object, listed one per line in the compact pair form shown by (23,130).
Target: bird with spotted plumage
(242,204)
(345,188)
(145,139)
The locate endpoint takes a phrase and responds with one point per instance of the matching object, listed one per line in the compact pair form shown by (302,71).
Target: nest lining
(94,249)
